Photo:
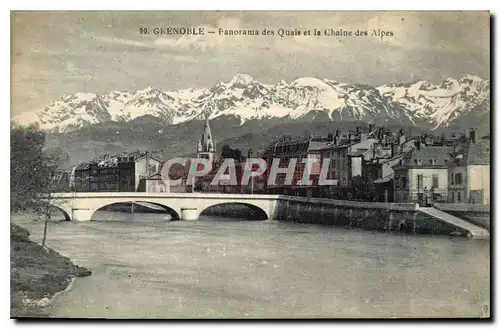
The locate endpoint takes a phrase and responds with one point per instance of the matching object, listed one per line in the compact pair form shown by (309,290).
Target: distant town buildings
(376,164)
(369,164)
(126,172)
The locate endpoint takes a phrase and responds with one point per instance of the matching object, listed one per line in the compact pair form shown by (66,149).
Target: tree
(26,144)
(32,172)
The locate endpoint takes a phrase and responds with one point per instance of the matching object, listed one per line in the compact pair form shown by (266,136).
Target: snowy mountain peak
(148,92)
(311,82)
(419,102)
(473,78)
(449,83)
(81,97)
(282,83)
(240,81)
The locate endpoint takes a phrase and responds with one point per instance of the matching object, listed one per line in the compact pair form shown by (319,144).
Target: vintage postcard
(250,164)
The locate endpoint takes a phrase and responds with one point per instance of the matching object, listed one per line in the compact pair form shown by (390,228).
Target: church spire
(206,143)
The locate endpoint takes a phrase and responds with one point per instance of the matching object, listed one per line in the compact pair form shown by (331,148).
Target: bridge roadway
(186,206)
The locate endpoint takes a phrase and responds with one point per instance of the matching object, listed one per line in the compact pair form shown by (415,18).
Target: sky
(54,54)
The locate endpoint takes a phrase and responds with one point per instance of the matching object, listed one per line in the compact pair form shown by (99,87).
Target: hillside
(181,140)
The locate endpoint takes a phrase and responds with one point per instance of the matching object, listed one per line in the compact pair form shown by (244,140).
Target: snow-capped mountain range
(415,103)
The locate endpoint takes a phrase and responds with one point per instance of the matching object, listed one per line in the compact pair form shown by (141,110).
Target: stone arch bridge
(186,206)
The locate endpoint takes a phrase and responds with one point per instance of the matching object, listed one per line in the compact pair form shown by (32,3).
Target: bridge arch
(239,209)
(169,210)
(64,212)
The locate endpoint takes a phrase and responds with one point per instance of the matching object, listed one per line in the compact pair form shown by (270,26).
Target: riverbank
(36,274)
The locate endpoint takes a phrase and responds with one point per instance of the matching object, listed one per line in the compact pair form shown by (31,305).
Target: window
(458,178)
(458,197)
(435,180)
(420,182)
(332,174)
(431,161)
(452,196)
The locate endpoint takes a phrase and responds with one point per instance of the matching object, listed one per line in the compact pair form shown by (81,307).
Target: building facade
(422,175)
(284,150)
(469,173)
(114,173)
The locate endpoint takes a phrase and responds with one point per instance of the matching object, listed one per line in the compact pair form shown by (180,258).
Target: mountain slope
(168,141)
(420,103)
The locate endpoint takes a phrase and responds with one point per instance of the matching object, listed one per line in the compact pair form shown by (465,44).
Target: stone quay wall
(477,214)
(403,217)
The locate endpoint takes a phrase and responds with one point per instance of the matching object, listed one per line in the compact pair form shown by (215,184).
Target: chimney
(394,149)
(250,153)
(402,137)
(472,136)
(337,133)
(370,128)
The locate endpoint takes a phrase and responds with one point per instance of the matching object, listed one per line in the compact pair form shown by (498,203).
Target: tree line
(31,172)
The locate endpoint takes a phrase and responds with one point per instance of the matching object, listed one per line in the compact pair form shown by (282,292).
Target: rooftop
(428,157)
(358,152)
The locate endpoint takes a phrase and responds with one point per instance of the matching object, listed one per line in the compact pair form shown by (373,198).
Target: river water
(146,267)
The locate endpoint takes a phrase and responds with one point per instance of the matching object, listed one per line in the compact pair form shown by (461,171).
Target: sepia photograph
(250,165)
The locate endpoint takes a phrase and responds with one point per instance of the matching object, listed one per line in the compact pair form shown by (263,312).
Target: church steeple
(206,143)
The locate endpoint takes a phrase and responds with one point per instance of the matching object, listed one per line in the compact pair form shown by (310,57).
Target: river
(146,267)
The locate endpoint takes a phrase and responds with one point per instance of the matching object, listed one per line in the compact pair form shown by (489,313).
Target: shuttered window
(420,181)
(435,181)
